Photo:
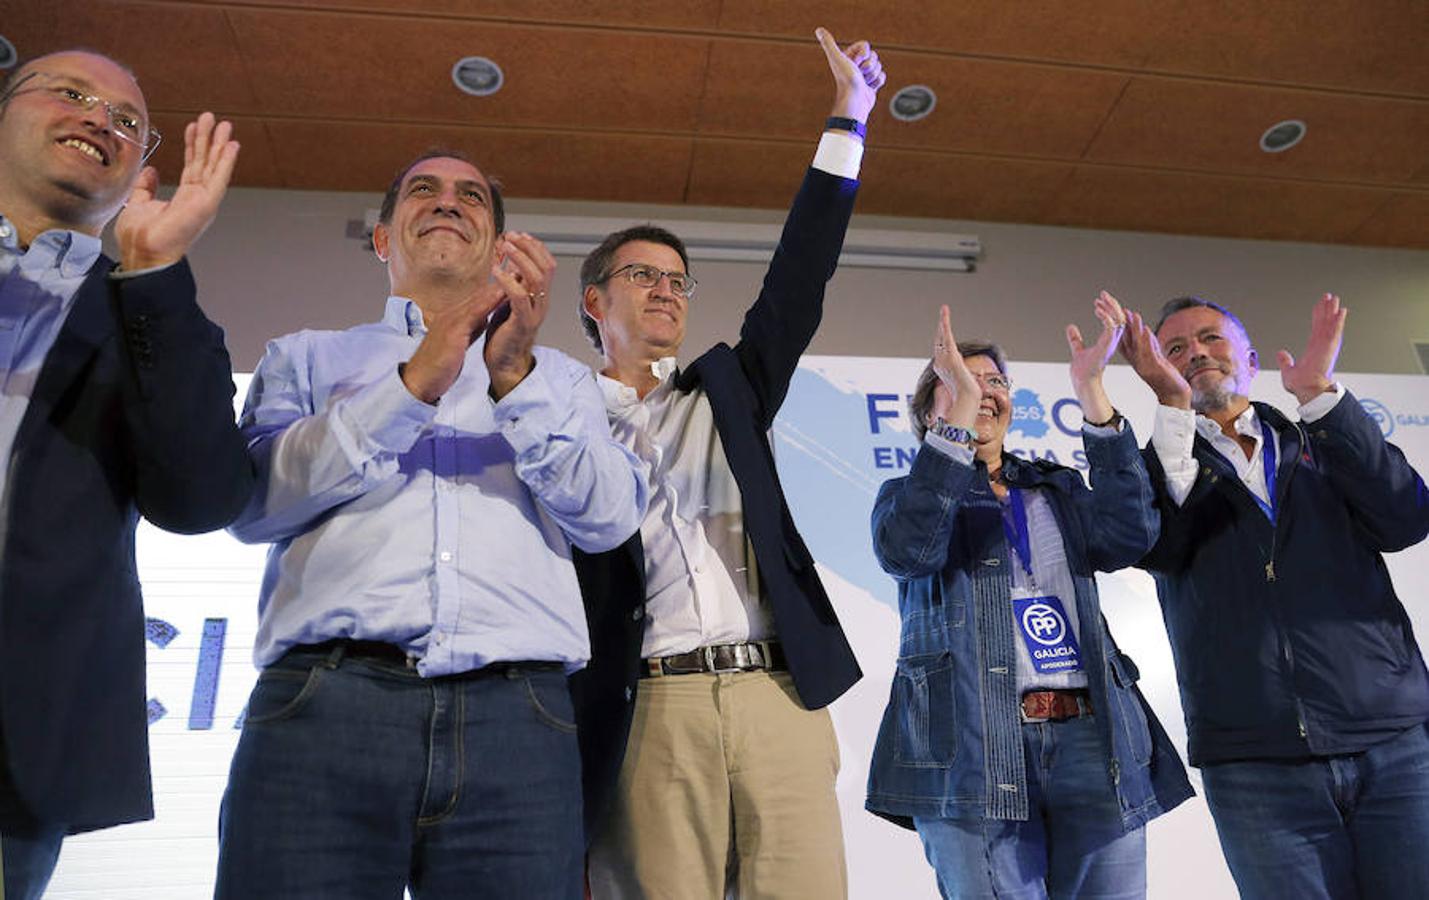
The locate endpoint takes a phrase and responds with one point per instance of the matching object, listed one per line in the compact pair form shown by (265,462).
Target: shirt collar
(1247,423)
(619,395)
(71,252)
(404,315)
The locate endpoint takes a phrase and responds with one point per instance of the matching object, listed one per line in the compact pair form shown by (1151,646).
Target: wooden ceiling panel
(1339,44)
(1217,127)
(629,13)
(257,161)
(1130,199)
(895,182)
(762,175)
(319,64)
(184,56)
(1121,114)
(1376,47)
(528,163)
(1108,33)
(935,185)
(1402,221)
(764,89)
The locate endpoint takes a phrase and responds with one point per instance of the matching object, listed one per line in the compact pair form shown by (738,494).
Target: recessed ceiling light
(478,76)
(1282,136)
(912,103)
(8,55)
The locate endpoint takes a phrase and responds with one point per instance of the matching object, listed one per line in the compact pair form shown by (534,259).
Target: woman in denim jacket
(1015,739)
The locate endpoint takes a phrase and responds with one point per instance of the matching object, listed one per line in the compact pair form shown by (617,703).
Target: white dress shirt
(1174,435)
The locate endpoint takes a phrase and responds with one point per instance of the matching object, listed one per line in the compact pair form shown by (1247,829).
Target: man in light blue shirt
(422,480)
(116,400)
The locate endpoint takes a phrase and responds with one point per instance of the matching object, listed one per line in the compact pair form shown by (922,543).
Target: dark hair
(921,403)
(596,267)
(389,200)
(1177,304)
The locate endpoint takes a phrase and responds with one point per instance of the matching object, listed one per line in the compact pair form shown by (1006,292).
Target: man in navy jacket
(715,602)
(117,402)
(1304,689)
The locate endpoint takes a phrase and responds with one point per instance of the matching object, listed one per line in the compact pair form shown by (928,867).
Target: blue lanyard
(1267,459)
(1014,526)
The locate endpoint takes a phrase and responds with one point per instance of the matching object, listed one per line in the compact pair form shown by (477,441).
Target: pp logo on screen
(1380,413)
(1043,624)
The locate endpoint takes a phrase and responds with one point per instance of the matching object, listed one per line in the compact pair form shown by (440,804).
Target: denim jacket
(950,745)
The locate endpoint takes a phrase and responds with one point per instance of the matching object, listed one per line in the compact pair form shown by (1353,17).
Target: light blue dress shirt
(37,290)
(442,529)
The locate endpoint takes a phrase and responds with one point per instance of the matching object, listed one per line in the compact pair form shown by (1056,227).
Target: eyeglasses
(996,380)
(647,276)
(126,124)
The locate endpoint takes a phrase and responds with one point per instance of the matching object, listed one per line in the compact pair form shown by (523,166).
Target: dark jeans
(30,855)
(356,778)
(30,848)
(1336,827)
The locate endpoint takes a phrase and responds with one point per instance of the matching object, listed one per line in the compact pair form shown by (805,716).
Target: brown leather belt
(1057,705)
(752,656)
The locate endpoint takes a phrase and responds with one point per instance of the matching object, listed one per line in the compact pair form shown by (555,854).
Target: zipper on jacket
(1283,490)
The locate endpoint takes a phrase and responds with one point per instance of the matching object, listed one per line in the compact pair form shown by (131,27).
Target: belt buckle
(744,657)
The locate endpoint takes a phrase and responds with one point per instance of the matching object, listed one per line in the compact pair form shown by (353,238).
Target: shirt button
(445,556)
(438,638)
(638,613)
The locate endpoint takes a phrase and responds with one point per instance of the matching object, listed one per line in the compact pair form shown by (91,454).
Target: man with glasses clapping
(116,399)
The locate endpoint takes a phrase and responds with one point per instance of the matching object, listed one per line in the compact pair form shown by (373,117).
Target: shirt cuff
(121,274)
(839,154)
(1173,433)
(1322,404)
(527,414)
(956,452)
(388,415)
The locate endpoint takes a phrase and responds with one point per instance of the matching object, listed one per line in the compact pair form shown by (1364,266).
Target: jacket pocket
(924,702)
(1129,712)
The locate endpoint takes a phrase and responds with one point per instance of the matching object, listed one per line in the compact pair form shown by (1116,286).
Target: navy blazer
(746,385)
(132,413)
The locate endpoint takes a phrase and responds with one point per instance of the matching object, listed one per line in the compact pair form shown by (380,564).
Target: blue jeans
(29,848)
(29,860)
(1332,827)
(1072,844)
(356,778)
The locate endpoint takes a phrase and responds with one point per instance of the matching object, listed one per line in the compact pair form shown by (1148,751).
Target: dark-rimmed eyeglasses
(127,124)
(647,276)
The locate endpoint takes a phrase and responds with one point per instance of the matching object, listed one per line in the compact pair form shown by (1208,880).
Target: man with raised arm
(1304,690)
(423,480)
(720,769)
(117,402)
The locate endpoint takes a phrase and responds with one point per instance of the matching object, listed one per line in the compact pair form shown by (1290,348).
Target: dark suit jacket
(746,385)
(132,414)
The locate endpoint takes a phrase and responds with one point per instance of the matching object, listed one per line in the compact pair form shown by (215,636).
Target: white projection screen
(841,433)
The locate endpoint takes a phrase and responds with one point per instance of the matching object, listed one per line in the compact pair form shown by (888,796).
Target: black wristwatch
(1113,422)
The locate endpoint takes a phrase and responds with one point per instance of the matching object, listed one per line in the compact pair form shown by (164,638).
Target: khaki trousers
(727,789)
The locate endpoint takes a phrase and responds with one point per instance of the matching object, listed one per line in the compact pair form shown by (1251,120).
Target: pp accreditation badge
(1049,638)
